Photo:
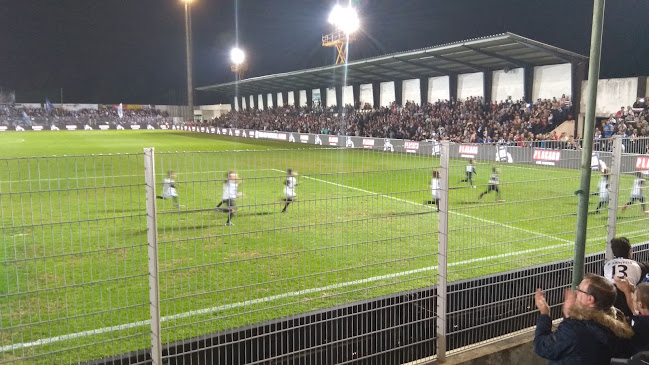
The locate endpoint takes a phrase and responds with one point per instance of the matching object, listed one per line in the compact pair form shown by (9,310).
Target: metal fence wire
(306,255)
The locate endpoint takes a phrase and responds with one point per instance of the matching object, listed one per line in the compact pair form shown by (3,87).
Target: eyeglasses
(581,291)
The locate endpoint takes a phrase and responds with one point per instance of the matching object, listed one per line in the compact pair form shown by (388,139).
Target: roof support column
(487,82)
(376,94)
(296,98)
(233,103)
(274,97)
(452,87)
(528,84)
(285,98)
(356,91)
(398,92)
(423,90)
(264,101)
(309,98)
(323,97)
(339,97)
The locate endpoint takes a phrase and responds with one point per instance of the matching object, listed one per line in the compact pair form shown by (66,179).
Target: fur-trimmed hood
(612,319)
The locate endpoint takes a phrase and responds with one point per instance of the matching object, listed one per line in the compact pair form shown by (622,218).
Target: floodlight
(237,56)
(344,18)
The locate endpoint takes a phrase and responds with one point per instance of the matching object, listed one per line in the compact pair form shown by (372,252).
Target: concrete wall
(438,89)
(348,95)
(506,84)
(611,95)
(366,94)
(552,81)
(411,91)
(469,85)
(387,93)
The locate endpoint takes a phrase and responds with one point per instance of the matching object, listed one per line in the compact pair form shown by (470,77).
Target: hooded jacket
(589,336)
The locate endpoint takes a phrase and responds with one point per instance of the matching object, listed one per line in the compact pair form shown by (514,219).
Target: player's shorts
(636,199)
(493,187)
(231,205)
(289,194)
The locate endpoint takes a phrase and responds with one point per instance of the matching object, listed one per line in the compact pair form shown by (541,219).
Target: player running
(230,195)
(289,188)
(494,185)
(470,171)
(434,189)
(637,193)
(603,190)
(169,189)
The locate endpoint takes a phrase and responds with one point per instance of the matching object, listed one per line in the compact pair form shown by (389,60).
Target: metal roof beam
(556,54)
(470,65)
(372,73)
(511,60)
(426,66)
(415,76)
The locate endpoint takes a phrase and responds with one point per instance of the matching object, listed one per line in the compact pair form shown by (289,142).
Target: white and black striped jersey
(638,184)
(169,188)
(470,169)
(434,188)
(623,268)
(230,190)
(603,188)
(289,188)
(494,179)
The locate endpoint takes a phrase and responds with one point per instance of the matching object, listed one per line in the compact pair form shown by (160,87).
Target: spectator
(622,266)
(592,331)
(637,298)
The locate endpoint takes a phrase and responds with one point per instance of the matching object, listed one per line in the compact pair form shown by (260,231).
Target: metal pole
(614,193)
(188,41)
(152,240)
(442,252)
(584,190)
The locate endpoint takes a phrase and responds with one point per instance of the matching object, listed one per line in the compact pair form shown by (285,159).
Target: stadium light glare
(344,18)
(237,56)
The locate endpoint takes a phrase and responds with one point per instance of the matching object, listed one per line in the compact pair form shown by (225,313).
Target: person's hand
(624,285)
(570,298)
(541,304)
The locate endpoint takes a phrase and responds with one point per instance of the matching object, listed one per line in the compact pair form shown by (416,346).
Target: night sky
(133,51)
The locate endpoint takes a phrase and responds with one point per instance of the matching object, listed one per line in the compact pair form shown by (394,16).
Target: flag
(26,119)
(48,105)
(120,111)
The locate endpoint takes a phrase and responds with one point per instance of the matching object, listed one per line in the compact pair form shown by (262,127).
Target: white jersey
(494,179)
(434,188)
(230,190)
(623,268)
(470,169)
(169,189)
(289,188)
(636,192)
(603,189)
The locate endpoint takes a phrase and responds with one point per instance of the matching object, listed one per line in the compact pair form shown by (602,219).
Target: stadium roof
(490,53)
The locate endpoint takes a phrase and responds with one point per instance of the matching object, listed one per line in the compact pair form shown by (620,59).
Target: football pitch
(74,259)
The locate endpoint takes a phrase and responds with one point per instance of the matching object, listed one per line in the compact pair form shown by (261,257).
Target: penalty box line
(456,213)
(126,326)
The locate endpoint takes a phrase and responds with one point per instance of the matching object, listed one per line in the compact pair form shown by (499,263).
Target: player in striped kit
(434,189)
(169,189)
(637,193)
(470,171)
(494,185)
(603,190)
(230,195)
(289,188)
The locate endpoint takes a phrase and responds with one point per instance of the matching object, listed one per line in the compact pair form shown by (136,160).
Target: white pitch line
(126,326)
(456,213)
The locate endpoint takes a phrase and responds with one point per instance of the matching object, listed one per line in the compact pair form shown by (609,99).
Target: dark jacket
(588,337)
(640,340)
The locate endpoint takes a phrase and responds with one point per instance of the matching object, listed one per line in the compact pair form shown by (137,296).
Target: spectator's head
(621,247)
(596,292)
(641,298)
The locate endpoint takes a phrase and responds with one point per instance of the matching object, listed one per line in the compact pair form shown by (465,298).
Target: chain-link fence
(314,255)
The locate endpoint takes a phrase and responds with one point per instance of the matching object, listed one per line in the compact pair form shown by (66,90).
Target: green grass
(74,235)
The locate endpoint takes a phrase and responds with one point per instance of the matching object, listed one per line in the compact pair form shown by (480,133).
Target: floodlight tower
(345,23)
(238,63)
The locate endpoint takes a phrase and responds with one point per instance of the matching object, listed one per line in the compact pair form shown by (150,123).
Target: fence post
(442,252)
(614,193)
(152,240)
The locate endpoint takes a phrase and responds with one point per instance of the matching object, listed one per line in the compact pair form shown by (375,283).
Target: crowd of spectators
(47,115)
(470,121)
